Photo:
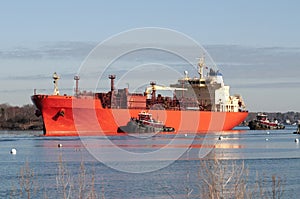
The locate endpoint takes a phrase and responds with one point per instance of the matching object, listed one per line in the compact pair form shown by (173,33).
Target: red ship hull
(71,116)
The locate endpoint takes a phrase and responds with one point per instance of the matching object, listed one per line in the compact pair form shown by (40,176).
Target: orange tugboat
(198,105)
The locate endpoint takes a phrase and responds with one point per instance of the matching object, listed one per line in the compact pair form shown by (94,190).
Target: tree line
(19,118)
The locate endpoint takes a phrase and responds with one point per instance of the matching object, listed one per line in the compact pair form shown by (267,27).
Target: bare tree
(27,180)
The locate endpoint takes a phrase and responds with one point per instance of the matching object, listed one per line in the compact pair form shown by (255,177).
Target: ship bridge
(210,91)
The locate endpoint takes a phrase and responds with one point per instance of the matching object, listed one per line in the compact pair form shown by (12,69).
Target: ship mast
(76,78)
(55,81)
(112,84)
(112,90)
(201,64)
(153,91)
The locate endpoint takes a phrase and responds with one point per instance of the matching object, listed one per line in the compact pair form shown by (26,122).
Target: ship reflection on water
(269,152)
(234,144)
(189,144)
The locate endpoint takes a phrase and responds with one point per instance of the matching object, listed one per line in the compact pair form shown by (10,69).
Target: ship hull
(71,116)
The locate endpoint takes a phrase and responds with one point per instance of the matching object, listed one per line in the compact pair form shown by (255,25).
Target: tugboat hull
(254,125)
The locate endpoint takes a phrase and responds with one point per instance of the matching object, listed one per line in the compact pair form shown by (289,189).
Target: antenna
(55,81)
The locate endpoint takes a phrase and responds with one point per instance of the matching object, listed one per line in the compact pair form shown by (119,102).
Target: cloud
(271,85)
(246,69)
(55,50)
(34,77)
(244,62)
(246,55)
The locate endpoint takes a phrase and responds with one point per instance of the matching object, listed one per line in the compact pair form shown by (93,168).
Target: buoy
(13,151)
(267,139)
(59,145)
(185,135)
(268,132)
(297,140)
(221,137)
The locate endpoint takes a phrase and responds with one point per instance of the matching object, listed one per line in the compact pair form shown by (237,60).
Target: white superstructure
(210,92)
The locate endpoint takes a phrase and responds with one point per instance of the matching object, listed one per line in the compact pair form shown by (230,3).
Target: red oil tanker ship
(198,105)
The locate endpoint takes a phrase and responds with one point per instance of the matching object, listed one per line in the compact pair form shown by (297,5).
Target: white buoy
(221,138)
(268,132)
(59,145)
(297,140)
(185,135)
(13,151)
(267,139)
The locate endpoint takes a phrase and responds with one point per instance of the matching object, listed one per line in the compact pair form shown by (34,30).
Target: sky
(254,43)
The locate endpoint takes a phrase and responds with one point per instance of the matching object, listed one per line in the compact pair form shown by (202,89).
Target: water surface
(265,153)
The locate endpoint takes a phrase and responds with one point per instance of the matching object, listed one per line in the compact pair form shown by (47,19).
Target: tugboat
(263,123)
(298,130)
(144,124)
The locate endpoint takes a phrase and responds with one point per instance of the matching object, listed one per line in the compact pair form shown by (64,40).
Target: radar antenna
(55,81)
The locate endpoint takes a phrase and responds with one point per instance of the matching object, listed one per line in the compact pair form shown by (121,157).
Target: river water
(142,166)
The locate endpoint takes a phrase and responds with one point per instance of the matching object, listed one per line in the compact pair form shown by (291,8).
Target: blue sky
(260,23)
(255,43)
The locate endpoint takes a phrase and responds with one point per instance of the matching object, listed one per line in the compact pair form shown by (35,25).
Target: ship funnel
(55,81)
(76,78)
